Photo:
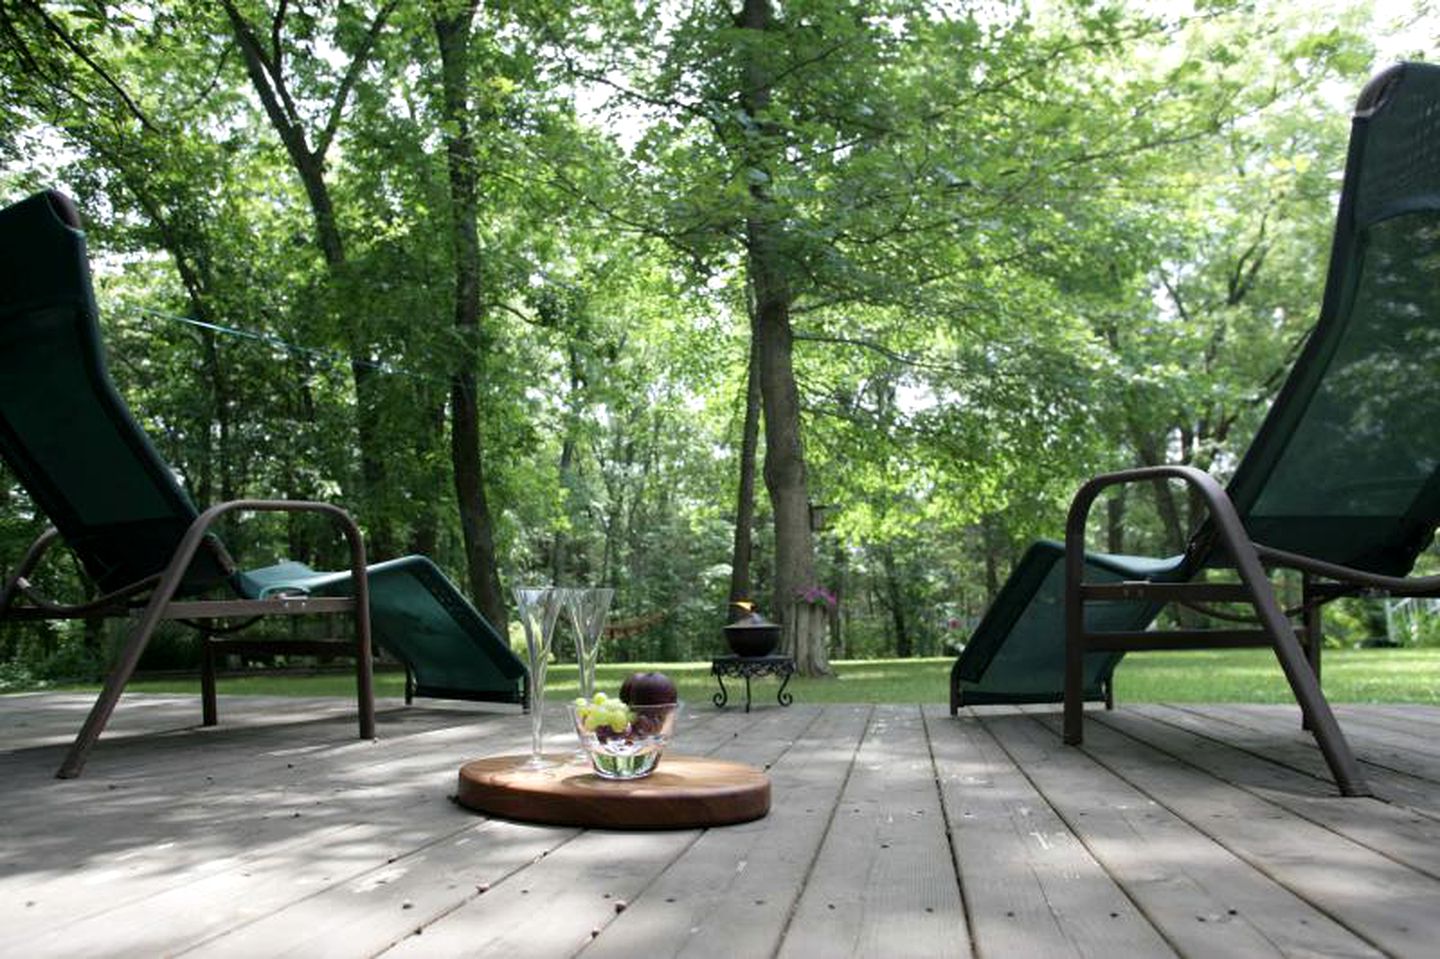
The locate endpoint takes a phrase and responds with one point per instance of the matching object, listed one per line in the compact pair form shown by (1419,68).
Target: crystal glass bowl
(633,751)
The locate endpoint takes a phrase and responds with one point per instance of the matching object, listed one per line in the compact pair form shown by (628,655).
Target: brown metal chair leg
(1314,637)
(1073,726)
(364,650)
(1073,714)
(1304,683)
(123,670)
(209,702)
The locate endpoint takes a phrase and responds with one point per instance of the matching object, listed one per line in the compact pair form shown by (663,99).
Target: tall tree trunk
(300,534)
(895,600)
(559,546)
(452,32)
(785,473)
(429,437)
(574,405)
(991,544)
(1149,453)
(218,381)
(1115,520)
(622,452)
(745,500)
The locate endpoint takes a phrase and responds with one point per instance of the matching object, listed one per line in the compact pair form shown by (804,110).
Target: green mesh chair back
(1346,467)
(64,431)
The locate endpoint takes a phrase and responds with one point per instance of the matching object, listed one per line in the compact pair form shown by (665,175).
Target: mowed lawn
(1250,675)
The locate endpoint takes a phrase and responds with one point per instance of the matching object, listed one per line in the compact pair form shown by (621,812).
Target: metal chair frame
(1323,581)
(160,603)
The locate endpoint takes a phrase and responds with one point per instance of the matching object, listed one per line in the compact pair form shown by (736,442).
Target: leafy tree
(957,259)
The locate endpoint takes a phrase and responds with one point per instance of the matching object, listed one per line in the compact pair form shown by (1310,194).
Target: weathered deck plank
(731,892)
(1031,888)
(1271,735)
(402,810)
(1388,748)
(1205,898)
(884,882)
(1388,829)
(268,731)
(1410,715)
(572,896)
(1390,906)
(394,899)
(146,837)
(358,798)
(1410,718)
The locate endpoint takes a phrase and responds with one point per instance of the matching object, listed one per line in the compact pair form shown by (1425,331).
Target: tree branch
(64,36)
(277,31)
(275,63)
(1173,291)
(904,359)
(269,84)
(1242,278)
(352,76)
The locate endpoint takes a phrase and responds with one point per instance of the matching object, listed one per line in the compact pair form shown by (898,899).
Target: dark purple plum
(648,689)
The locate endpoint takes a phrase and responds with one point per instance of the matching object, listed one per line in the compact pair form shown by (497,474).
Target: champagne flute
(539,608)
(588,609)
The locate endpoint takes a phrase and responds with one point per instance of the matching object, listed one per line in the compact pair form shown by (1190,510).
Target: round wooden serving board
(684,792)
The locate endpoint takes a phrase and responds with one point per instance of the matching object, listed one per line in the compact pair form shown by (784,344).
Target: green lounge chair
(1342,482)
(71,441)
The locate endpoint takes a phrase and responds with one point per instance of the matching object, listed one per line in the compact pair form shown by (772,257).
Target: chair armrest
(195,535)
(1399,585)
(1222,511)
(109,604)
(28,562)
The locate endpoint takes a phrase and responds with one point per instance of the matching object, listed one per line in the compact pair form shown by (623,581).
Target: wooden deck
(895,831)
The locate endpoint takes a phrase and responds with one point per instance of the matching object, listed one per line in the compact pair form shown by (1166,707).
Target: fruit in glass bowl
(623,742)
(648,689)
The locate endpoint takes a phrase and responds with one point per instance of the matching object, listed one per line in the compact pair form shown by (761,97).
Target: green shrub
(15,675)
(72,662)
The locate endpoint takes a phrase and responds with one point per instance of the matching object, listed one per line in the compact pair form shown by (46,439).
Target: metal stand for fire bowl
(748,667)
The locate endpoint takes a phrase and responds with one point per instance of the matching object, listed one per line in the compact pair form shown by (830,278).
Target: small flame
(744,604)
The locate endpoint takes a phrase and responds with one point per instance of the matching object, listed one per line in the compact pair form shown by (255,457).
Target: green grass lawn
(1250,675)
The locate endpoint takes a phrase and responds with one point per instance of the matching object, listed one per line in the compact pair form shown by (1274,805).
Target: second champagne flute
(539,609)
(588,609)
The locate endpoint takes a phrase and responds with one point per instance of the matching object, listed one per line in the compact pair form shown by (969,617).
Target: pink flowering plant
(816,596)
